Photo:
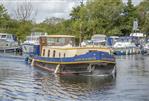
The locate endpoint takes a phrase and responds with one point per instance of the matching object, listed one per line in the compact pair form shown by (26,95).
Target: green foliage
(4,19)
(8,25)
(129,15)
(95,17)
(143,15)
(23,29)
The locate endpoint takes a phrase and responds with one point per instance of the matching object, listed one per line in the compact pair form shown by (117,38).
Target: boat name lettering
(109,59)
(85,59)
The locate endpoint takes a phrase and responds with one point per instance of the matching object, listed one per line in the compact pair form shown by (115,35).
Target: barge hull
(97,68)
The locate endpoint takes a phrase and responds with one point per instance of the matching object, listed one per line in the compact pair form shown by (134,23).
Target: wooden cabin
(61,46)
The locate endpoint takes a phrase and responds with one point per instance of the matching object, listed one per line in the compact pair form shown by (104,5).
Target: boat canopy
(98,38)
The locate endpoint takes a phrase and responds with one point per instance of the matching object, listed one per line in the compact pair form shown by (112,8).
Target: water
(21,82)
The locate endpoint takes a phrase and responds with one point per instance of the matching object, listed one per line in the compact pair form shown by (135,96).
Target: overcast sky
(47,8)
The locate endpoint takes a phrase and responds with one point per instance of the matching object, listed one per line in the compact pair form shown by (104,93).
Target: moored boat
(145,47)
(111,40)
(96,40)
(8,42)
(99,39)
(60,55)
(31,44)
(125,46)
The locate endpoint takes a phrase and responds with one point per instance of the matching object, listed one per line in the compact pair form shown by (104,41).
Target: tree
(25,11)
(75,13)
(53,20)
(128,17)
(4,19)
(25,14)
(98,17)
(23,29)
(143,12)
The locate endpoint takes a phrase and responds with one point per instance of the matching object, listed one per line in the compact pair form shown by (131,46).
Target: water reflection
(21,82)
(74,87)
(137,64)
(16,81)
(132,78)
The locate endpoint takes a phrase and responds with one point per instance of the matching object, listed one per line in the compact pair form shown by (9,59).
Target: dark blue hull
(90,63)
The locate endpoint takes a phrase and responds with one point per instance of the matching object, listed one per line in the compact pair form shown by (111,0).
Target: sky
(47,8)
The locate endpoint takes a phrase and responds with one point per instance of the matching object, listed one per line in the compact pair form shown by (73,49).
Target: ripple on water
(21,82)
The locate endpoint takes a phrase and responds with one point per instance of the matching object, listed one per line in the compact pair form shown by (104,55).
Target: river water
(21,82)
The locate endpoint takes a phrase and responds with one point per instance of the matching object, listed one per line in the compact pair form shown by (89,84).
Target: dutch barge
(59,54)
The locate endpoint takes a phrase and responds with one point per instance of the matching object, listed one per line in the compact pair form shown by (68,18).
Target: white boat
(98,39)
(125,47)
(32,42)
(111,40)
(8,42)
(146,49)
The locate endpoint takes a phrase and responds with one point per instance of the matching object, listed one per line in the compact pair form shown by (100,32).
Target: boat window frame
(3,36)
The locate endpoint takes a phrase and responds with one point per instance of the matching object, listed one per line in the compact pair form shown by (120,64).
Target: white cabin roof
(114,37)
(5,34)
(99,35)
(137,34)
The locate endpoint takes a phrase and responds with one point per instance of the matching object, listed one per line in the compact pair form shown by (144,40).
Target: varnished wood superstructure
(60,52)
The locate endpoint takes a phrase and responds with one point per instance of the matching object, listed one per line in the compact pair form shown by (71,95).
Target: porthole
(54,52)
(43,52)
(59,55)
(64,55)
(48,53)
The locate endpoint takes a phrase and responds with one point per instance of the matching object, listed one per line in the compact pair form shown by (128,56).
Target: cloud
(47,8)
(44,8)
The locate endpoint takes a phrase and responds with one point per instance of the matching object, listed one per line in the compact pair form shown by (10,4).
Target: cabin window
(92,50)
(61,40)
(43,52)
(48,53)
(3,36)
(54,52)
